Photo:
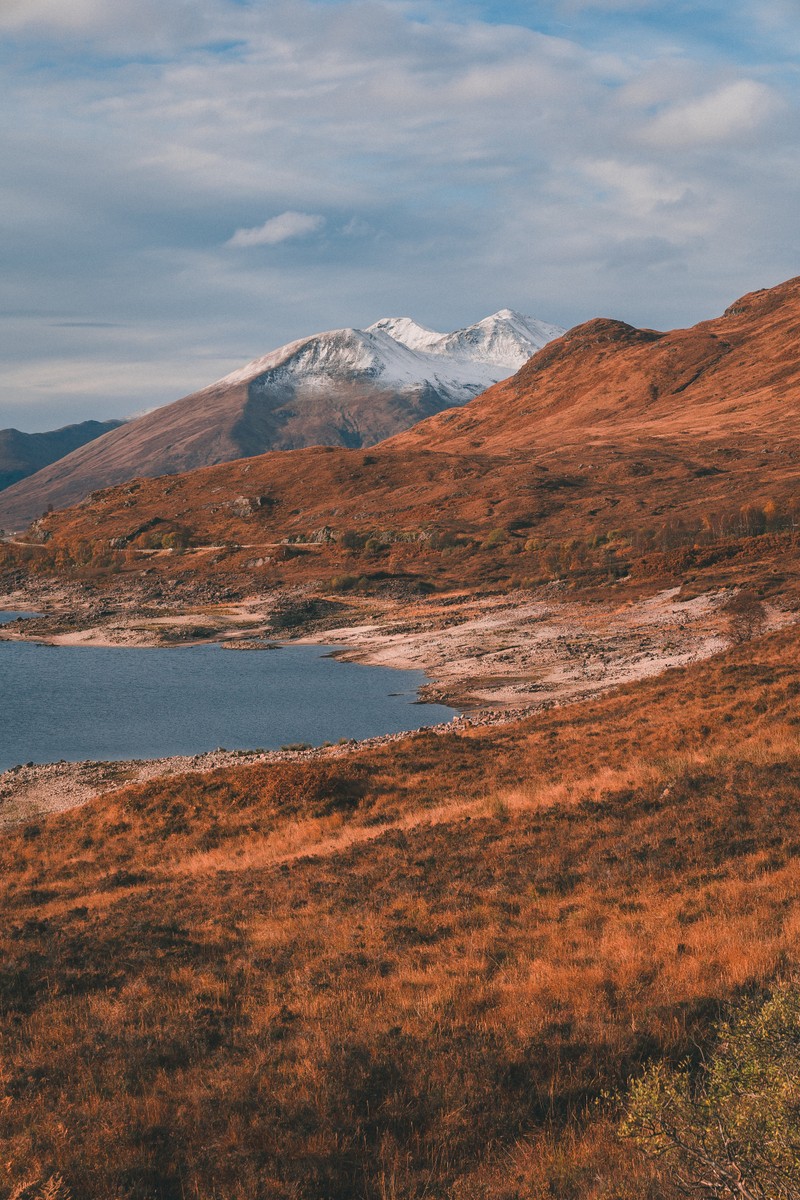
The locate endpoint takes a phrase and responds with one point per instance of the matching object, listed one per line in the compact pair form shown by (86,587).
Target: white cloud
(283,228)
(123,26)
(461,166)
(729,111)
(639,188)
(22,14)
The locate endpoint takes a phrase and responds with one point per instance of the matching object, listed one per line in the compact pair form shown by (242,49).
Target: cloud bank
(719,116)
(442,159)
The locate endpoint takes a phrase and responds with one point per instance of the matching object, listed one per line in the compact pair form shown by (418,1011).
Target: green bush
(344,583)
(731,1129)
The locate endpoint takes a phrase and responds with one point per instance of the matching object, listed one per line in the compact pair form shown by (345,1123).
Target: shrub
(344,583)
(746,616)
(352,540)
(735,1130)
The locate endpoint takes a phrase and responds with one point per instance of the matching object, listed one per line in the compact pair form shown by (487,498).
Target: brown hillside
(403,973)
(609,442)
(215,425)
(737,374)
(159,439)
(345,387)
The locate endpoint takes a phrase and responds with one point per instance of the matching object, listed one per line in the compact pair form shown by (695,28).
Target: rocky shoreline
(497,659)
(32,790)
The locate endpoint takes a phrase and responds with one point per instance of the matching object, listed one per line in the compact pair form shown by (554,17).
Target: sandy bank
(531,651)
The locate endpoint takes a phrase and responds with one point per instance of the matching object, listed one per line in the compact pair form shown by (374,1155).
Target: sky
(188,184)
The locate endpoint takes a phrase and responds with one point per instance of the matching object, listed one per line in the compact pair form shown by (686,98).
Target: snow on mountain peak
(399,353)
(505,339)
(407,331)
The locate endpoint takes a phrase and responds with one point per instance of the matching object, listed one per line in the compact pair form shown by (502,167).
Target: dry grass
(613,451)
(409,974)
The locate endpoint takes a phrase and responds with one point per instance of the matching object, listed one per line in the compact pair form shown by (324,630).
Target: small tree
(746,616)
(732,1132)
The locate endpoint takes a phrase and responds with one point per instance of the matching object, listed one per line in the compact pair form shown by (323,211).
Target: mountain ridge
(344,387)
(605,377)
(608,428)
(22,454)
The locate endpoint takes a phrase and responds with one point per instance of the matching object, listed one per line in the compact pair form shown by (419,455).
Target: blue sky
(190,183)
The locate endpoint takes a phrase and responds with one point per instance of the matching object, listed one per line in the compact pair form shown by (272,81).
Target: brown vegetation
(427,969)
(611,450)
(413,972)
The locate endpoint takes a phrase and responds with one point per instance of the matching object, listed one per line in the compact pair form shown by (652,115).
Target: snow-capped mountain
(396,353)
(345,387)
(505,339)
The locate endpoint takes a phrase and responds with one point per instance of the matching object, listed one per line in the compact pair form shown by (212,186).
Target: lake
(92,702)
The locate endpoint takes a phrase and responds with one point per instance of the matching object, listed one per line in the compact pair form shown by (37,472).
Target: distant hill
(346,387)
(608,427)
(22,454)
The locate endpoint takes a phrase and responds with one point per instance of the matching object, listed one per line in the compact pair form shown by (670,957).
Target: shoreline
(484,652)
(495,659)
(30,791)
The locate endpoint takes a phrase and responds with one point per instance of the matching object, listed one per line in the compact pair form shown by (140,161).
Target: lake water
(91,702)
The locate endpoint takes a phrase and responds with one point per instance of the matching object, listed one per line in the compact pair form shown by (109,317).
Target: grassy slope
(405,972)
(410,972)
(610,444)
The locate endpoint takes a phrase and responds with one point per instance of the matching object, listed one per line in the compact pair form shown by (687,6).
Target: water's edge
(92,704)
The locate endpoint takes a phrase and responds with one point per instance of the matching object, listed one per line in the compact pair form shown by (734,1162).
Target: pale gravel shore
(230,623)
(529,651)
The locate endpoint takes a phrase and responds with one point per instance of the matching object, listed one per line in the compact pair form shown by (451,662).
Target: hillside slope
(22,454)
(346,387)
(739,373)
(411,971)
(609,441)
